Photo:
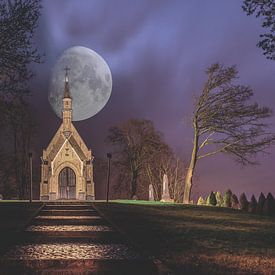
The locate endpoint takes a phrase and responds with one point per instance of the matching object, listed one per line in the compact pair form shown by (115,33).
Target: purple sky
(158,51)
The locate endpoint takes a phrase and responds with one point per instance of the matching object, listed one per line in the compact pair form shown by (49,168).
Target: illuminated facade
(67,163)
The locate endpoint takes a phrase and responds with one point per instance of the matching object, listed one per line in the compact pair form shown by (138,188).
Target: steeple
(67,106)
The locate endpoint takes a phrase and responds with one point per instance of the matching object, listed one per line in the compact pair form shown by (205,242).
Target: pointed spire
(66,90)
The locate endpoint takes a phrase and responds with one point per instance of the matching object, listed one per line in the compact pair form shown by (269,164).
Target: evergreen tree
(200,201)
(261,202)
(269,206)
(235,202)
(212,199)
(243,202)
(252,207)
(227,200)
(219,198)
(207,201)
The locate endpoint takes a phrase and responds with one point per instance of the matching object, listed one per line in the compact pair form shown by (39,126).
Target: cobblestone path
(72,238)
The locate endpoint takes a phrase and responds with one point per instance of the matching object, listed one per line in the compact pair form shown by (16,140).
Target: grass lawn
(198,239)
(13,217)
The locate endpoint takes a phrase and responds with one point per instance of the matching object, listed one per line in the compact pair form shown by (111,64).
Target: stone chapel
(67,163)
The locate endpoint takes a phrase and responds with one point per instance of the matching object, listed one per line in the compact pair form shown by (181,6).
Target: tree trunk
(188,183)
(134,184)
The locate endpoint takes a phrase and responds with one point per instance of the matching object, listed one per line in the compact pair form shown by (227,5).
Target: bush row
(264,205)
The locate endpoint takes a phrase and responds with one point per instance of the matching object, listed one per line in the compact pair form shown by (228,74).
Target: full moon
(90,82)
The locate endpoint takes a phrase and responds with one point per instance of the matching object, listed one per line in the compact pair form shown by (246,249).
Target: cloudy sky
(158,51)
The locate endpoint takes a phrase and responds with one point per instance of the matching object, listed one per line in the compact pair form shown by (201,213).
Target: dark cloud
(158,51)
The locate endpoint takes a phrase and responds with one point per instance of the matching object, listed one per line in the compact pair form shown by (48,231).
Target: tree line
(264,205)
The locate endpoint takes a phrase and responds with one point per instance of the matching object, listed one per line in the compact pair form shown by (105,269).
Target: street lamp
(30,158)
(109,156)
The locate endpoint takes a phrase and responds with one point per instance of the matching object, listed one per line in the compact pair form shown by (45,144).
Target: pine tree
(207,201)
(269,206)
(235,202)
(219,198)
(261,202)
(227,200)
(252,207)
(200,201)
(243,202)
(212,199)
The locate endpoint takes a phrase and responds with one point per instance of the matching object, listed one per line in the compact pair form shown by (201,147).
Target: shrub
(269,205)
(219,199)
(200,201)
(261,202)
(227,200)
(235,202)
(243,202)
(253,205)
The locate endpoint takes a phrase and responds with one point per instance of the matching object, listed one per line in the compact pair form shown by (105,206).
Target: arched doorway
(67,184)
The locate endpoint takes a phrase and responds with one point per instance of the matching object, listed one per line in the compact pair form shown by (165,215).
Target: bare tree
(142,158)
(266,10)
(136,143)
(225,121)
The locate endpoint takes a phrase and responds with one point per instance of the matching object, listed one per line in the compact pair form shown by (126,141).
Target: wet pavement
(72,238)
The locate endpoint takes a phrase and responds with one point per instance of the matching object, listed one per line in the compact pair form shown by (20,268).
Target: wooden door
(67,184)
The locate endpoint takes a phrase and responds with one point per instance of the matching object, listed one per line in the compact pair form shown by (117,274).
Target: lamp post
(30,158)
(109,156)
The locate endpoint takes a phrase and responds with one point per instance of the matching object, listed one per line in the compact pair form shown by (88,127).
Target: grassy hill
(198,239)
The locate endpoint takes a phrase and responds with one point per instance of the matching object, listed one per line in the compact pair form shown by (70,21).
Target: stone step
(68,202)
(79,266)
(67,206)
(71,212)
(70,220)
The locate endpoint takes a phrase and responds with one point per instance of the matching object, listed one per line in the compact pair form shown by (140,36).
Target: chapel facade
(67,163)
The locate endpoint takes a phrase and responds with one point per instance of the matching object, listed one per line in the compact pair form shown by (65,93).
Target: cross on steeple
(66,69)
(66,90)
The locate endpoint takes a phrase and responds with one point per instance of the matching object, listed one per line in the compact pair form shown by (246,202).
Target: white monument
(165,197)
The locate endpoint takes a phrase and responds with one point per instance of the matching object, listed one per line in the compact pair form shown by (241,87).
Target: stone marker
(151,193)
(165,190)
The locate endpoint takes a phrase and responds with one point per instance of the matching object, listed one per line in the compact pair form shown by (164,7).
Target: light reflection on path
(71,251)
(68,217)
(45,228)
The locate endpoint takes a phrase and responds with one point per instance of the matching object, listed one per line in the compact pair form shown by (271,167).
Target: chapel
(67,163)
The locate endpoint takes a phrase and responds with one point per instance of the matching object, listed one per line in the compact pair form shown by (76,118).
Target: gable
(74,139)
(67,154)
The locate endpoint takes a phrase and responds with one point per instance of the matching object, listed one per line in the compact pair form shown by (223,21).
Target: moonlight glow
(90,82)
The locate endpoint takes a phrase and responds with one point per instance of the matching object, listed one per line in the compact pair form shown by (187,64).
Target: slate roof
(56,147)
(77,148)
